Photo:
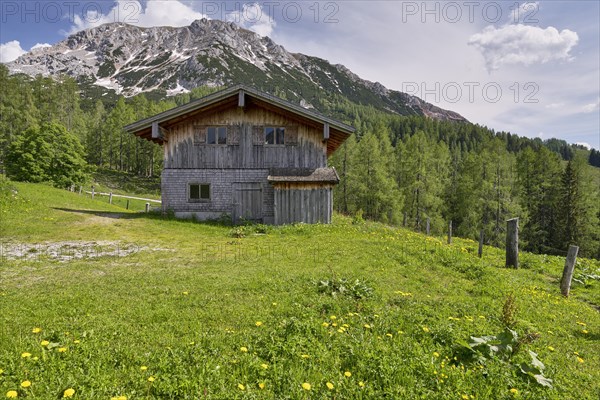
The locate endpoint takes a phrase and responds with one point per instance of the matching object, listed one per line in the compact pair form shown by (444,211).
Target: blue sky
(529,68)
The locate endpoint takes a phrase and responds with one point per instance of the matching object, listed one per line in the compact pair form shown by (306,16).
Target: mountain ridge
(130,60)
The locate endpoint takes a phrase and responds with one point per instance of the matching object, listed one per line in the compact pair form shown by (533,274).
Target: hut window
(199,192)
(274,135)
(217,135)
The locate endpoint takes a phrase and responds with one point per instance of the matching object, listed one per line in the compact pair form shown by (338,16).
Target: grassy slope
(189,300)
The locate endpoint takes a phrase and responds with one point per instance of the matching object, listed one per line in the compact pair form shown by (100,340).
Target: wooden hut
(246,154)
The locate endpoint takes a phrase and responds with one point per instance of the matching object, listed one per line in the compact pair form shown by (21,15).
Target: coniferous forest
(402,170)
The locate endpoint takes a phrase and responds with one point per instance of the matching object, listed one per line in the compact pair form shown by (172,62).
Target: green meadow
(100,302)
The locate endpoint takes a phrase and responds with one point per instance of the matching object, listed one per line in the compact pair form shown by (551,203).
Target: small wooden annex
(248,155)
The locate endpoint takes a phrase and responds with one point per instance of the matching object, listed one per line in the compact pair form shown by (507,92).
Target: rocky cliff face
(132,60)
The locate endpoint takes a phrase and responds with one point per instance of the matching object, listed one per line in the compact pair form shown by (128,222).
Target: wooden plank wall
(186,146)
(310,205)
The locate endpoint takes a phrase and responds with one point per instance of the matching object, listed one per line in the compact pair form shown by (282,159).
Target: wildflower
(44,343)
(367,326)
(361,384)
(76,341)
(241,387)
(305,356)
(347,374)
(244,349)
(585,332)
(25,384)
(36,330)
(550,348)
(264,366)
(11,394)
(465,397)
(1,371)
(580,359)
(306,386)
(333,317)
(185,293)
(329,385)
(325,324)
(25,355)
(62,349)
(151,379)
(69,392)
(581,323)
(258,323)
(274,304)
(514,391)
(261,385)
(143,368)
(425,329)
(388,334)
(436,354)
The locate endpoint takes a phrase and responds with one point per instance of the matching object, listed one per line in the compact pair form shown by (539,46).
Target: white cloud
(523,44)
(10,51)
(252,17)
(156,13)
(40,46)
(584,144)
(592,107)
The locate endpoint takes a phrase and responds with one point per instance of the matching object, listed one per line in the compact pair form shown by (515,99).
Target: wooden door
(248,202)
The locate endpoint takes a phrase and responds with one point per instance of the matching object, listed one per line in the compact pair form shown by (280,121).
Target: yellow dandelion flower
(332,317)
(69,392)
(361,384)
(120,398)
(185,293)
(585,331)
(36,330)
(151,379)
(580,359)
(576,353)
(306,386)
(25,355)
(334,324)
(347,374)
(1,371)
(62,349)
(258,323)
(35,358)
(76,341)
(367,326)
(550,348)
(44,343)
(329,385)
(12,394)
(465,397)
(425,329)
(25,384)
(261,385)
(581,323)
(514,391)
(244,349)
(436,354)
(143,368)
(264,366)
(241,387)
(274,304)
(325,324)
(305,356)
(388,335)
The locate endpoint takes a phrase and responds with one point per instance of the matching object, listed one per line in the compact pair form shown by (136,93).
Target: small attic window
(216,135)
(274,135)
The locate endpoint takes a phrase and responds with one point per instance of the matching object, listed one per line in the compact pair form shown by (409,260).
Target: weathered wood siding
(223,184)
(302,203)
(186,146)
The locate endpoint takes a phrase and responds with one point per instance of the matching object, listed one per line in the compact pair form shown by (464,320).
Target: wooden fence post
(427,229)
(512,243)
(147,207)
(93,193)
(565,282)
(480,250)
(450,233)
(127,208)
(110,198)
